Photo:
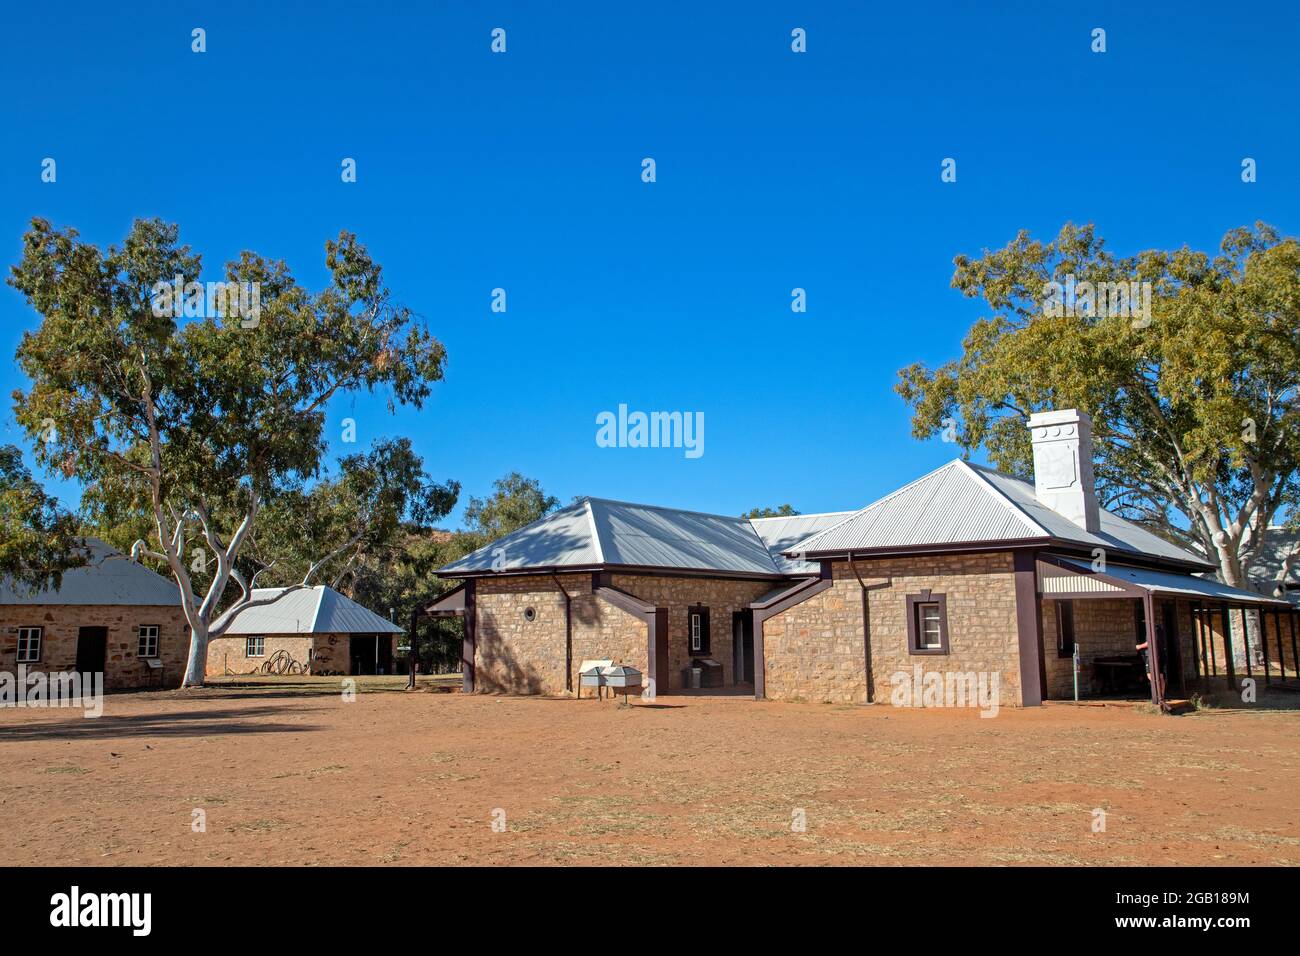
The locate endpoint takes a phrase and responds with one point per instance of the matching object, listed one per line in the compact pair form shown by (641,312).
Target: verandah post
(1245,639)
(1227,647)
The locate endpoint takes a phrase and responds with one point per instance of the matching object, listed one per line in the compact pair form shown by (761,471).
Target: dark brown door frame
(656,622)
(797,593)
(1029,629)
(467,647)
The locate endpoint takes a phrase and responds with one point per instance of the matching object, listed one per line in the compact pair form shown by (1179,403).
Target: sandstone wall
(123,667)
(722,596)
(815,651)
(520,656)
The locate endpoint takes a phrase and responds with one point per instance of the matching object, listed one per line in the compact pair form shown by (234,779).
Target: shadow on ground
(199,723)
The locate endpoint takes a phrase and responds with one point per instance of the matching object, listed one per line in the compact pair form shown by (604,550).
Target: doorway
(92,649)
(371,654)
(742,646)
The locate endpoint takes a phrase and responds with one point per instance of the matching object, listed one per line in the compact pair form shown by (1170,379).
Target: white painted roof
(108,578)
(314,610)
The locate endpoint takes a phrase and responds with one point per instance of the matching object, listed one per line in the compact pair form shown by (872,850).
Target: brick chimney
(1063,465)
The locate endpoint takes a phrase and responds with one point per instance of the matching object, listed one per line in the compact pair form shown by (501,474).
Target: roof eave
(622,569)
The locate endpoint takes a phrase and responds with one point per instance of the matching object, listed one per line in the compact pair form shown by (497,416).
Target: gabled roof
(783,533)
(314,610)
(597,533)
(964,504)
(108,578)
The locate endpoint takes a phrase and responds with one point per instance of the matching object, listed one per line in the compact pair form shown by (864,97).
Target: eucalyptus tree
(1192,383)
(205,417)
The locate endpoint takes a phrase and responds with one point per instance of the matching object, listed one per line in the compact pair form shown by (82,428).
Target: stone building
(110,616)
(964,574)
(312,630)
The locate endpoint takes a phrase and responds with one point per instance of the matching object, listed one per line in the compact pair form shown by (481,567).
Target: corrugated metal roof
(314,610)
(1170,583)
(598,531)
(961,503)
(781,534)
(108,578)
(644,535)
(1115,532)
(950,505)
(564,538)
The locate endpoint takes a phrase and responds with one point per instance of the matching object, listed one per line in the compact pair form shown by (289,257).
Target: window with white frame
(927,623)
(255,646)
(697,629)
(147,643)
(29,644)
(931,632)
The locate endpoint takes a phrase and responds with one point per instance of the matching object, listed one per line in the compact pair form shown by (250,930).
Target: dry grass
(288,773)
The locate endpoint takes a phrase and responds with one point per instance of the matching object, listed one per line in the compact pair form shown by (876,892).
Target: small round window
(530,614)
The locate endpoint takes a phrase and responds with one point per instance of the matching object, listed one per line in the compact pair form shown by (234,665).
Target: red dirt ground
(287,773)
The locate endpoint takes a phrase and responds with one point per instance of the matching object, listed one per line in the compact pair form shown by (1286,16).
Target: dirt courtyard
(286,772)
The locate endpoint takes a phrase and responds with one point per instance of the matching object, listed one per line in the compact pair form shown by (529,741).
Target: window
(1064,628)
(927,623)
(255,646)
(147,645)
(931,631)
(29,645)
(697,629)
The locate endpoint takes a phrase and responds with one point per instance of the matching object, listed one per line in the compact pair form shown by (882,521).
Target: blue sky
(775,170)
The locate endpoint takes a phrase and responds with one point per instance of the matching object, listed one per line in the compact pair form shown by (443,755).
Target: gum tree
(1194,406)
(38,539)
(206,420)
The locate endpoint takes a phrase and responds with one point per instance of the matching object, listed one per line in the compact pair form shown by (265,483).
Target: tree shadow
(201,723)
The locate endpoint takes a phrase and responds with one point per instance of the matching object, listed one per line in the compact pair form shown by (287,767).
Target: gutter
(866,624)
(568,636)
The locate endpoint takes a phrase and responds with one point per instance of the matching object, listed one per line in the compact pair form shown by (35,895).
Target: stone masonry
(814,650)
(722,596)
(516,655)
(321,653)
(520,656)
(123,667)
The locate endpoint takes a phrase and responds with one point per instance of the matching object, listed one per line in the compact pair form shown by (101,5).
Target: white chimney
(1063,465)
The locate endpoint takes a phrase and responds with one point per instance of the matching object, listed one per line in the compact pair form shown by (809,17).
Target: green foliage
(781,511)
(208,420)
(38,539)
(1195,414)
(363,517)
(515,501)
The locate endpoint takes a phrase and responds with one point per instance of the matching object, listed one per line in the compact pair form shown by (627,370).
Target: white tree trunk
(197,665)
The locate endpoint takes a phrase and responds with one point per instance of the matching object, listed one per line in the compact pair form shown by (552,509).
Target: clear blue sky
(775,170)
